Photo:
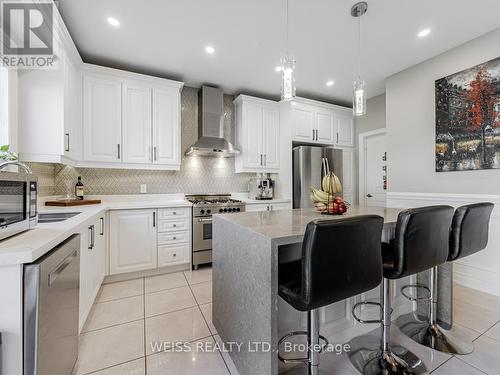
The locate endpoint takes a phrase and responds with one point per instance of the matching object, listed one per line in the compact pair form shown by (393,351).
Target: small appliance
(18,201)
(204,205)
(260,188)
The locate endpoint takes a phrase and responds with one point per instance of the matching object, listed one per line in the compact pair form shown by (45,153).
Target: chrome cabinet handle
(118,146)
(174,238)
(204,220)
(337,137)
(174,213)
(261,160)
(102,226)
(174,225)
(265,159)
(67,142)
(154,219)
(369,195)
(155,156)
(91,237)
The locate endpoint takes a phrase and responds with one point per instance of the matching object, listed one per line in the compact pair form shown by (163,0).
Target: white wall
(412,180)
(411,127)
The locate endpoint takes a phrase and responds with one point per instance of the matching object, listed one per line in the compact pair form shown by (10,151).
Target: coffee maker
(260,188)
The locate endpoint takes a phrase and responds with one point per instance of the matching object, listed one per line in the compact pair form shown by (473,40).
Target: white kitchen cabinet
(257,134)
(133,240)
(102,121)
(136,123)
(166,127)
(49,113)
(92,264)
(344,128)
(315,122)
(73,112)
(131,120)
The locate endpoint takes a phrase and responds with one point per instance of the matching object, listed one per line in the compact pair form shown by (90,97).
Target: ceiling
(168,39)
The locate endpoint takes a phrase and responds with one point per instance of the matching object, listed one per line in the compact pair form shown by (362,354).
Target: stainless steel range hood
(211,140)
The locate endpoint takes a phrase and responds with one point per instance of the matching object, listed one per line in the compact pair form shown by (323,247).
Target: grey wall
(374,118)
(410,124)
(197,175)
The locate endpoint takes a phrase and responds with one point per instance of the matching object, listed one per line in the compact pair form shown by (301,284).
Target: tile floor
(128,316)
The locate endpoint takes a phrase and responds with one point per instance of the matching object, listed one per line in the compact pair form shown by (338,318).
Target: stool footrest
(297,360)
(417,286)
(367,321)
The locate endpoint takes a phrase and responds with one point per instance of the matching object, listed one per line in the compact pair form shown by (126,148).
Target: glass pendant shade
(359,98)
(287,78)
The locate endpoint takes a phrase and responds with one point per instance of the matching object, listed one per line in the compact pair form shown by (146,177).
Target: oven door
(202,233)
(13,207)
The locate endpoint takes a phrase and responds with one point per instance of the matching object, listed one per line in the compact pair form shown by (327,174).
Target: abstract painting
(468,119)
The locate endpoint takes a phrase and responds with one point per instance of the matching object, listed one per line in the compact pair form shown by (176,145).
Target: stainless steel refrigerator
(310,163)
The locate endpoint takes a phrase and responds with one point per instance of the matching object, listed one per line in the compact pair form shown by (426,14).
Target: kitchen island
(247,249)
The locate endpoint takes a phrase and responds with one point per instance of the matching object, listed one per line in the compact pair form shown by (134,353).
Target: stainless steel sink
(56,217)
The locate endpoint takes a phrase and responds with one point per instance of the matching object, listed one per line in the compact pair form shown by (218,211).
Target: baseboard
(478,271)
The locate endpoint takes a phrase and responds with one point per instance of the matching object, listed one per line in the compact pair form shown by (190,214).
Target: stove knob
(234,209)
(202,212)
(238,209)
(221,210)
(225,209)
(209,211)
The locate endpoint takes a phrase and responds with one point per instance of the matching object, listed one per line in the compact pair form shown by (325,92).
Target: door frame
(361,162)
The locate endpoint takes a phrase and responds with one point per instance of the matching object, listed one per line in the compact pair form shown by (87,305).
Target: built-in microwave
(18,204)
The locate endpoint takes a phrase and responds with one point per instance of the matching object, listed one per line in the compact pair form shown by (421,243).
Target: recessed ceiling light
(113,21)
(330,83)
(210,50)
(277,69)
(423,33)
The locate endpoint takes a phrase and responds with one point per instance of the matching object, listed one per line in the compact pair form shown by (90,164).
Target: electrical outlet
(144,188)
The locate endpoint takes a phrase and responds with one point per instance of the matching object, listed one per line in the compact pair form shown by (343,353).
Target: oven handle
(204,220)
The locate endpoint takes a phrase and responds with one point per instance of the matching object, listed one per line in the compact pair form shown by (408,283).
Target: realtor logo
(27,30)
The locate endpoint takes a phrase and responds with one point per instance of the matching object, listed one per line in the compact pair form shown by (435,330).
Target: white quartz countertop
(292,223)
(28,246)
(265,201)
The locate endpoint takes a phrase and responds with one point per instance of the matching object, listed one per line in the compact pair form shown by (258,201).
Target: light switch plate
(144,188)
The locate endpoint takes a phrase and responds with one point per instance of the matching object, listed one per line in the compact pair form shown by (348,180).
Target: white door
(166,127)
(253,155)
(372,192)
(132,242)
(348,175)
(303,123)
(271,138)
(136,128)
(102,118)
(324,126)
(345,129)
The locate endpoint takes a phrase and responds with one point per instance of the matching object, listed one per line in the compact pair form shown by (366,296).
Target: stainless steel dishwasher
(51,301)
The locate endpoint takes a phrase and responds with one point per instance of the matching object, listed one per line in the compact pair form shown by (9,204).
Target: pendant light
(359,86)
(287,70)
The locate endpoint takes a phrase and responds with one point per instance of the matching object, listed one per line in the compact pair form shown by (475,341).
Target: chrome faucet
(25,167)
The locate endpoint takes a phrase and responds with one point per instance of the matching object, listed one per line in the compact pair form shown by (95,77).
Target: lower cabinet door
(132,241)
(173,254)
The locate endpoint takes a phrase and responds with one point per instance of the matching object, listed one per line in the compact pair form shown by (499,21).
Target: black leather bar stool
(340,259)
(468,235)
(420,243)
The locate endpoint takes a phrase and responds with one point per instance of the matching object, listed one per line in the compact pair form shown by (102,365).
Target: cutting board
(72,202)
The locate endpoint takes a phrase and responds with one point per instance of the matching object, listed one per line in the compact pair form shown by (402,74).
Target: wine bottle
(79,188)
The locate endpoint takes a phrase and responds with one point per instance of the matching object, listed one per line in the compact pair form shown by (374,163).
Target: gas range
(208,204)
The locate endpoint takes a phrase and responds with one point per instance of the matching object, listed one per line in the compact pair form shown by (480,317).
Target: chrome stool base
(452,341)
(304,370)
(305,360)
(389,363)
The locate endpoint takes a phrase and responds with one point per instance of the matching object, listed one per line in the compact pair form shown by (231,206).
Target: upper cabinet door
(136,130)
(324,126)
(101,118)
(271,138)
(72,111)
(345,129)
(303,123)
(166,127)
(253,152)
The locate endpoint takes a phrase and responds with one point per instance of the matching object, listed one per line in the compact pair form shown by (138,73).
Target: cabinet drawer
(171,237)
(173,213)
(173,225)
(173,254)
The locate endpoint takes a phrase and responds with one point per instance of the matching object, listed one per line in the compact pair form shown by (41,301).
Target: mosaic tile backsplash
(197,174)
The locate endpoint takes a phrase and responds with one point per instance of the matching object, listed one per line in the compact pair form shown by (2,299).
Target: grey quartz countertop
(292,223)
